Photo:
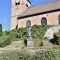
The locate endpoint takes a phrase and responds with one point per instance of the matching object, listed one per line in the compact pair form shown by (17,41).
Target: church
(24,15)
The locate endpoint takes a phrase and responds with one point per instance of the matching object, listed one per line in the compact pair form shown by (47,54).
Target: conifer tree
(0,29)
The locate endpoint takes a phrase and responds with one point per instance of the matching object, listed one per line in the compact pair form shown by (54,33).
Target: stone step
(30,43)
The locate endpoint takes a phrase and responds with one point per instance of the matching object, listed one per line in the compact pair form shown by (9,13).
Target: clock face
(17,1)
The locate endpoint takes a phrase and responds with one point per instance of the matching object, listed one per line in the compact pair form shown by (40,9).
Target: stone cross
(29,31)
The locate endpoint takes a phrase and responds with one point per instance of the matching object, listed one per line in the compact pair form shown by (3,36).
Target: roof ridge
(52,5)
(43,3)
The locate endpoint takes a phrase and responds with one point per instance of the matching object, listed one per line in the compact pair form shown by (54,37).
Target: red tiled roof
(41,8)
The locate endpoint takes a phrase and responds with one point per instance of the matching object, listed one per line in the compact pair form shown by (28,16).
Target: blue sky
(5,10)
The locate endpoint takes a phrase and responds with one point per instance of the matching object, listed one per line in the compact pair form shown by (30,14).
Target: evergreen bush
(42,54)
(20,33)
(57,34)
(7,32)
(38,31)
(47,54)
(5,40)
(0,29)
(15,55)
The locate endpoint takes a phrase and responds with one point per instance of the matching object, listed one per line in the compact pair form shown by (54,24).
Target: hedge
(38,31)
(18,33)
(5,40)
(47,54)
(57,37)
(0,29)
(15,55)
(42,54)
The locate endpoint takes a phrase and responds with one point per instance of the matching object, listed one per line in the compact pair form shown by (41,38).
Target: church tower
(17,8)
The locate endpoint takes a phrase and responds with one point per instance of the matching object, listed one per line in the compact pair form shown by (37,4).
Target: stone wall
(52,19)
(16,10)
(50,32)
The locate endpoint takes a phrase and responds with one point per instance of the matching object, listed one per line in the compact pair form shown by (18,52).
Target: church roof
(46,7)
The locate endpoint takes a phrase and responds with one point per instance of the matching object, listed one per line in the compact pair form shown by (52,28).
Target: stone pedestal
(30,43)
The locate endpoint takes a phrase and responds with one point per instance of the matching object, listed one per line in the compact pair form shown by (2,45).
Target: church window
(28,23)
(43,21)
(59,19)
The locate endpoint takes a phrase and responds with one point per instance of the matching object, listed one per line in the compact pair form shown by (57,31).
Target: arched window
(28,23)
(43,21)
(59,19)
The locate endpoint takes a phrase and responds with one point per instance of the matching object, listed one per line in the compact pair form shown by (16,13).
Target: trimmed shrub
(46,54)
(57,34)
(20,33)
(7,32)
(13,34)
(38,31)
(0,30)
(15,55)
(42,54)
(5,40)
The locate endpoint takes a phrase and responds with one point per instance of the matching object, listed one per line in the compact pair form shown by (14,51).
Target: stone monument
(29,39)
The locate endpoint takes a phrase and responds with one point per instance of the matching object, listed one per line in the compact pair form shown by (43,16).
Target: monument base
(30,43)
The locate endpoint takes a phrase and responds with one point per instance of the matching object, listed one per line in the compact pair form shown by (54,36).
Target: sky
(5,11)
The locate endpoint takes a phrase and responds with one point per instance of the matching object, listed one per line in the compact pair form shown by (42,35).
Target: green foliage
(5,40)
(0,30)
(13,35)
(38,31)
(57,34)
(20,33)
(47,54)
(42,54)
(15,55)
(7,32)
(37,42)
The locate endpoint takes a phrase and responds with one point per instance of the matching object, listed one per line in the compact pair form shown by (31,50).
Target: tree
(0,29)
